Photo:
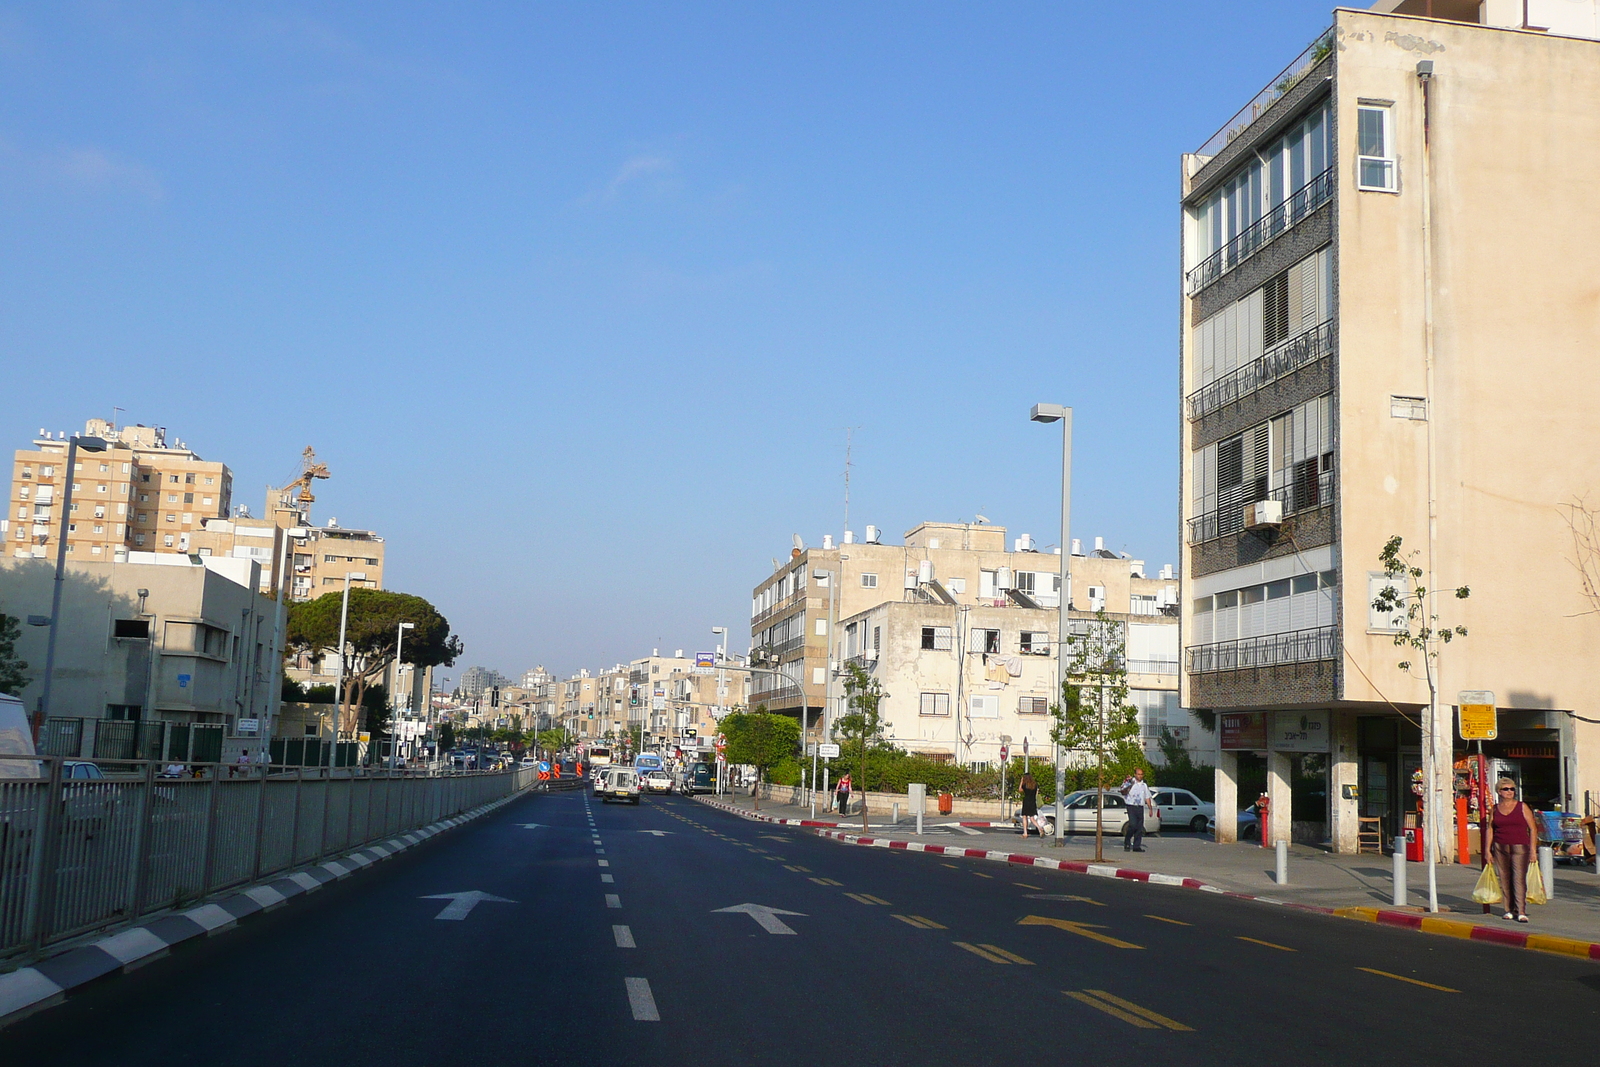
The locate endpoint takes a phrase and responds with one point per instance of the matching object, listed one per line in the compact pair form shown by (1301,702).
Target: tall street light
(399,636)
(1063,415)
(88,444)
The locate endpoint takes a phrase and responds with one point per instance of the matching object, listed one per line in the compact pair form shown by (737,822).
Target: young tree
(1094,716)
(1406,601)
(862,724)
(13,669)
(447,737)
(554,740)
(761,740)
(369,649)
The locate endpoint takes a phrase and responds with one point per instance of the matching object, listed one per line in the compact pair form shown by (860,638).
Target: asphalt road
(610,948)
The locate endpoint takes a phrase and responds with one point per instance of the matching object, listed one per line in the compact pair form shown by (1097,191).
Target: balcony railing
(1299,495)
(1253,238)
(1279,361)
(1272,650)
(1287,79)
(1153,666)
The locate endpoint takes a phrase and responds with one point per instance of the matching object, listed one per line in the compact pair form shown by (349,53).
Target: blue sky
(577,300)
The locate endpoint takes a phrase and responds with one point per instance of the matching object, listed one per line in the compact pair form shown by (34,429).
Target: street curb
(1426,924)
(51,981)
(756,816)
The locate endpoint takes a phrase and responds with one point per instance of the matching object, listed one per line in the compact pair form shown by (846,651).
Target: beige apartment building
(949,565)
(142,493)
(1390,264)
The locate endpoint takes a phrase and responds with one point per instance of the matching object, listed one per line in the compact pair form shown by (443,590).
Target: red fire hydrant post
(1263,818)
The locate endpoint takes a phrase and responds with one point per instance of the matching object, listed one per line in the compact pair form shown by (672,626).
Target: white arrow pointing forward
(765,917)
(461,904)
(658,833)
(530,825)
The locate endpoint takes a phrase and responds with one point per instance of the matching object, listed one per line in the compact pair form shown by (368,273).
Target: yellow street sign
(1081,929)
(1479,719)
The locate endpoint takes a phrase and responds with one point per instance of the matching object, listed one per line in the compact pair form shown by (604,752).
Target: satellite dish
(982,518)
(799,545)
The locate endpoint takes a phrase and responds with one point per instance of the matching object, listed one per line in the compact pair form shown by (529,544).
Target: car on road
(1180,808)
(697,778)
(529,763)
(657,782)
(620,783)
(1081,814)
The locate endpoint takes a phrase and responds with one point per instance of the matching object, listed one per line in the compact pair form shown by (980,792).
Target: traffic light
(494,696)
(633,697)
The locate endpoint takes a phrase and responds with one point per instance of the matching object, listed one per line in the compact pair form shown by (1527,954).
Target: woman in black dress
(1030,805)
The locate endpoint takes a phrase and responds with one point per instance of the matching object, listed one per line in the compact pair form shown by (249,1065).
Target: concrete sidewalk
(1317,878)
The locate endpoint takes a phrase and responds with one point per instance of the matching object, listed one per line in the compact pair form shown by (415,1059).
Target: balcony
(1277,362)
(1253,238)
(1287,79)
(1301,494)
(1272,650)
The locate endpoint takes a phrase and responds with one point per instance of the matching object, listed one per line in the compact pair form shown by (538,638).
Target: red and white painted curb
(1408,920)
(756,816)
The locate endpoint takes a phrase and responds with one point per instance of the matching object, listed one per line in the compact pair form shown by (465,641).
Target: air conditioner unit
(870,655)
(1263,514)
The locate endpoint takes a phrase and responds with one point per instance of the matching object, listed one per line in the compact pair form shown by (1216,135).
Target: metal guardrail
(78,855)
(1277,362)
(1256,236)
(1287,79)
(1299,646)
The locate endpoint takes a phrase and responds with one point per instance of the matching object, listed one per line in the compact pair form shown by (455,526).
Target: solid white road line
(642,1001)
(613,900)
(624,937)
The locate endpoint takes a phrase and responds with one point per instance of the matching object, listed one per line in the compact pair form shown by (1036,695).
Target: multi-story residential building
(952,565)
(652,707)
(579,699)
(1390,259)
(158,655)
(328,553)
(141,493)
(474,680)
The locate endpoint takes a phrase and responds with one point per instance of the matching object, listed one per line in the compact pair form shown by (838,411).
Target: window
(987,641)
(956,585)
(822,627)
(188,479)
(104,467)
(1035,643)
(167,540)
(1379,621)
(984,707)
(22,494)
(869,581)
(210,480)
(172,518)
(936,638)
(173,478)
(986,585)
(138,538)
(1033,706)
(172,498)
(935,704)
(188,498)
(1375,149)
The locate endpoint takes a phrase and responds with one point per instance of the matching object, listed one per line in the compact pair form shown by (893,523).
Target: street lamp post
(1063,415)
(88,444)
(338,689)
(399,636)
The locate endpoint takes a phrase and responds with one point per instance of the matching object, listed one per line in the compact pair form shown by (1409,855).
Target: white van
(16,739)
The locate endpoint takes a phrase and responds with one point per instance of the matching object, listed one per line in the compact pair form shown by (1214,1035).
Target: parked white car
(1181,809)
(1081,814)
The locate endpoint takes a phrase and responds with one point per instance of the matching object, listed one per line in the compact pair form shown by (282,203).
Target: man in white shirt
(1139,800)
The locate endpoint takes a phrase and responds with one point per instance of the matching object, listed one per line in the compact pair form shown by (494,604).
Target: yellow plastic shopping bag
(1487,891)
(1536,893)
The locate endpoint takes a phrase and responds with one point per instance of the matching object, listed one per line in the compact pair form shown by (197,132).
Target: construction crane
(310,469)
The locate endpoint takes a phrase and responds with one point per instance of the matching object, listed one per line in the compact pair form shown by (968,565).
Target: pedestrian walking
(1508,841)
(1138,799)
(842,793)
(1030,805)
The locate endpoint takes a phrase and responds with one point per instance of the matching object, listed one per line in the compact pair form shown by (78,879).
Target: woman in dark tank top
(1509,839)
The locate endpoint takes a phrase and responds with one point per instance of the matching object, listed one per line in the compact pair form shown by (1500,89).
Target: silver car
(1181,808)
(1081,814)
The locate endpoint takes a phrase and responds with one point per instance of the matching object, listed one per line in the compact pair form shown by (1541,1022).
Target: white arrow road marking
(461,904)
(765,917)
(530,825)
(658,833)
(642,1001)
(624,937)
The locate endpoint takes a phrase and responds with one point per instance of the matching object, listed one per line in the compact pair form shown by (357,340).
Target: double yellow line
(1126,1010)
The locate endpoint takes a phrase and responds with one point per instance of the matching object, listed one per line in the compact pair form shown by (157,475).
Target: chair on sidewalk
(1369,834)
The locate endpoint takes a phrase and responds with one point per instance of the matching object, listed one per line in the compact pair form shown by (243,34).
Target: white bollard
(1547,870)
(917,797)
(1400,872)
(1283,862)
(895,818)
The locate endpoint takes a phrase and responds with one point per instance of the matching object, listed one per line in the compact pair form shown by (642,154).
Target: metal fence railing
(1253,238)
(1271,650)
(1277,362)
(77,855)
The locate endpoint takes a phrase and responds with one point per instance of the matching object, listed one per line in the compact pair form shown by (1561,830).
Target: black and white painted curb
(50,981)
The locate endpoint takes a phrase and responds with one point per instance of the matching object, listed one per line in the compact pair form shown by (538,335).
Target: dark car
(698,778)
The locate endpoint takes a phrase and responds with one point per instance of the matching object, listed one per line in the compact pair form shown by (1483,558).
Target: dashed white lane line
(607,878)
(642,1001)
(624,937)
(613,900)
(603,863)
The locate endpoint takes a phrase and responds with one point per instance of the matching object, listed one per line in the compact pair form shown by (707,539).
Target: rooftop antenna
(114,411)
(849,442)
